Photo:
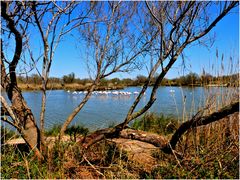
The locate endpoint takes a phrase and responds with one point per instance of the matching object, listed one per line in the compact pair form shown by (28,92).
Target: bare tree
(179,24)
(21,114)
(54,20)
(115,51)
(113,46)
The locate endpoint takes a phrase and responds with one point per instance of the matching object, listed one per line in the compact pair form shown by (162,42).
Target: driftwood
(158,140)
(154,139)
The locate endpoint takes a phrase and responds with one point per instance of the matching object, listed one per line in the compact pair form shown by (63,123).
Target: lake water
(104,110)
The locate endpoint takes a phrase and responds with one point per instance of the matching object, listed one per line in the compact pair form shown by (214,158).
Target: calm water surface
(104,110)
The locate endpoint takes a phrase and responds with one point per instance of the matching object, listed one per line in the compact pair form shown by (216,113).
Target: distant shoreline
(80,87)
(72,87)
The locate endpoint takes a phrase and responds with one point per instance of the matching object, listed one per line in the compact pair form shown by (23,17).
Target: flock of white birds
(125,93)
(116,93)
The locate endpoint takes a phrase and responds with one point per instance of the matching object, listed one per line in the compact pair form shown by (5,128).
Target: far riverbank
(81,87)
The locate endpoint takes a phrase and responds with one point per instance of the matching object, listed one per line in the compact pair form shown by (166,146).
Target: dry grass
(210,151)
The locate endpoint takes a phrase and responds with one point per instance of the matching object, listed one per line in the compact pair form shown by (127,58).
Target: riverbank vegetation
(69,82)
(207,152)
(110,40)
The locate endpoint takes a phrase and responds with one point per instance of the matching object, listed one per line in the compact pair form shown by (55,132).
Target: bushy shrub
(74,131)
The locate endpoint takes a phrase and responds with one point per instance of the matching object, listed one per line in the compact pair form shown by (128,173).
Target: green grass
(73,131)
(156,123)
(54,131)
(218,159)
(7,134)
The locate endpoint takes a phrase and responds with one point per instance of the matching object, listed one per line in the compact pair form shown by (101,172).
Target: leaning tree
(22,24)
(178,25)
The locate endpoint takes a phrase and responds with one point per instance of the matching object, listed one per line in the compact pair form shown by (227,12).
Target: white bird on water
(115,92)
(136,92)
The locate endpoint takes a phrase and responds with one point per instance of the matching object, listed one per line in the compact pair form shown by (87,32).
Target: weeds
(7,134)
(54,131)
(213,154)
(74,131)
(155,123)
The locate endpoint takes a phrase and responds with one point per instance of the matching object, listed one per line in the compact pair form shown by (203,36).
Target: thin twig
(175,156)
(93,166)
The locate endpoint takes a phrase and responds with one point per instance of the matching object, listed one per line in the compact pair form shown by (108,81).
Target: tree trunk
(42,118)
(76,110)
(27,124)
(24,116)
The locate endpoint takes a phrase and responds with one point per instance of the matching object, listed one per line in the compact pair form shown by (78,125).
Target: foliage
(69,78)
(156,123)
(73,131)
(191,78)
(205,155)
(140,79)
(103,82)
(54,131)
(34,82)
(65,160)
(111,56)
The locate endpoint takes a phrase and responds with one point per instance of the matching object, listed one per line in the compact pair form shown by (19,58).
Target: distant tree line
(205,79)
(187,80)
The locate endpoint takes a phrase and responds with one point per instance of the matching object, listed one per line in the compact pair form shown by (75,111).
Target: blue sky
(197,57)
(226,42)
(69,56)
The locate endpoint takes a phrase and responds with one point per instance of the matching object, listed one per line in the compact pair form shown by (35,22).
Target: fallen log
(154,139)
(157,140)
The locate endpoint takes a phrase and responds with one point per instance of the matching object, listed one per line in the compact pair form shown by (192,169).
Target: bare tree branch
(10,112)
(177,40)
(197,121)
